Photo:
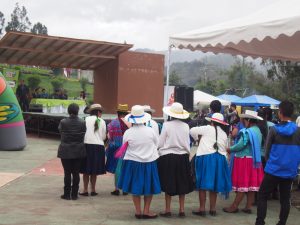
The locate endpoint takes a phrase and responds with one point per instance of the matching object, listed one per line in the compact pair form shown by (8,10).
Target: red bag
(121,151)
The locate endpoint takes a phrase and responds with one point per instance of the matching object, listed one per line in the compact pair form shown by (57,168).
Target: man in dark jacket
(22,94)
(71,150)
(283,157)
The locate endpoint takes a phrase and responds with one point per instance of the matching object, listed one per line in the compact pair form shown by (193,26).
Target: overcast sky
(144,23)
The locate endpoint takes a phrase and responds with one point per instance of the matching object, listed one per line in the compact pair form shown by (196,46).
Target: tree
(83,82)
(2,21)
(174,79)
(19,20)
(39,28)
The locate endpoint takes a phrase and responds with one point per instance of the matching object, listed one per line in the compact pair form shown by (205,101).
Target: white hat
(176,111)
(138,115)
(147,108)
(217,117)
(251,115)
(94,107)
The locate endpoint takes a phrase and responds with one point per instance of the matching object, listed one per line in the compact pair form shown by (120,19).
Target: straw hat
(123,108)
(217,117)
(94,107)
(147,108)
(251,115)
(138,115)
(176,111)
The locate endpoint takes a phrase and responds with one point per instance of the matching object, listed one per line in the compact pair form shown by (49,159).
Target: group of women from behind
(153,163)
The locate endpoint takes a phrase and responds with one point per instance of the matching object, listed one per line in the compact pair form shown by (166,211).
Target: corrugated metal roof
(60,52)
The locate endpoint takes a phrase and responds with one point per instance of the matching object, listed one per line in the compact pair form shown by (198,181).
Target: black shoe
(83,193)
(125,193)
(115,192)
(74,198)
(181,215)
(138,216)
(65,197)
(149,216)
(199,213)
(212,212)
(93,193)
(165,214)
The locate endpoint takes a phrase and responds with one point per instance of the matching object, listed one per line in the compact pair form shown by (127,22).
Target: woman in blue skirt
(139,174)
(212,171)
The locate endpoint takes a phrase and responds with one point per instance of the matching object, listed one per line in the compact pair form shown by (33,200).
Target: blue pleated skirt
(212,173)
(111,161)
(139,178)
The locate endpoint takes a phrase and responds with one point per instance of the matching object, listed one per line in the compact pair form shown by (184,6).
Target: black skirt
(94,163)
(175,174)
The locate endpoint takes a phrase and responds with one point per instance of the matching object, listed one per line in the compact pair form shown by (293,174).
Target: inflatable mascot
(12,128)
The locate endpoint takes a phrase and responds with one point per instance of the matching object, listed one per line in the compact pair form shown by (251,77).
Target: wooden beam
(89,62)
(58,52)
(40,53)
(100,49)
(24,44)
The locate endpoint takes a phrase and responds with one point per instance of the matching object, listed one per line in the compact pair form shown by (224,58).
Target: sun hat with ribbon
(217,117)
(176,111)
(94,107)
(251,115)
(138,115)
(147,108)
(123,108)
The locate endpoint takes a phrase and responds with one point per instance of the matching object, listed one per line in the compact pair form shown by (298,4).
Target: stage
(47,123)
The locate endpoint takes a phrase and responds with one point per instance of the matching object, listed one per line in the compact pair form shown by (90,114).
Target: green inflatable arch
(12,128)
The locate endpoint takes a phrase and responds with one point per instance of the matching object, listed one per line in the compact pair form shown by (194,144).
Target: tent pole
(168,75)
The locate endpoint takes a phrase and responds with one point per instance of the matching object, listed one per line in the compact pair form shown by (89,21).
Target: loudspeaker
(189,99)
(180,94)
(185,96)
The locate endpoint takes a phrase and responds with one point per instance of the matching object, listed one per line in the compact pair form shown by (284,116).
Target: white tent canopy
(273,32)
(203,99)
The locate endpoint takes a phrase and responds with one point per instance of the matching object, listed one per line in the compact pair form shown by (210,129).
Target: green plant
(83,82)
(33,82)
(57,83)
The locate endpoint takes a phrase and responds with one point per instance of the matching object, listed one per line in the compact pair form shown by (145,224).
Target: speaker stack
(185,96)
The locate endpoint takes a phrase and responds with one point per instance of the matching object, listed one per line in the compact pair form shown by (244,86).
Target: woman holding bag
(139,174)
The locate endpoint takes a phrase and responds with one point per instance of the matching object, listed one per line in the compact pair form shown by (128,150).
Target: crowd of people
(146,161)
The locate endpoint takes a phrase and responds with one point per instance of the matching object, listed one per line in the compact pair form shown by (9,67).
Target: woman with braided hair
(211,167)
(94,138)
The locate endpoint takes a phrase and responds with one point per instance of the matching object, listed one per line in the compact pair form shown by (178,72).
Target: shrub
(83,82)
(58,83)
(33,82)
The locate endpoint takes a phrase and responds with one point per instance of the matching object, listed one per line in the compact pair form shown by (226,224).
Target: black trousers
(71,169)
(24,104)
(267,186)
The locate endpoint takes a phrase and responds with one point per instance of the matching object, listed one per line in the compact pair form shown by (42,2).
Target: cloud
(144,23)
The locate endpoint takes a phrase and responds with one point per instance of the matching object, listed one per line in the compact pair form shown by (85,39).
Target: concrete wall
(106,86)
(135,78)
(141,77)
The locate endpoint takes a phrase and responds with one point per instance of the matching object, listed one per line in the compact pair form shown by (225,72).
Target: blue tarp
(230,98)
(257,101)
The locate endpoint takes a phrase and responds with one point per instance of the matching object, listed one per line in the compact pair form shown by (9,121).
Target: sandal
(199,213)
(227,210)
(83,193)
(212,212)
(138,216)
(149,216)
(181,215)
(93,193)
(248,211)
(165,214)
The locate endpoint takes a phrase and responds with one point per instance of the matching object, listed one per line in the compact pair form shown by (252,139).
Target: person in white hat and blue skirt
(139,174)
(211,167)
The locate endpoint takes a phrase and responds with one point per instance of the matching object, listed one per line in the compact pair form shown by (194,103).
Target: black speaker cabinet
(185,96)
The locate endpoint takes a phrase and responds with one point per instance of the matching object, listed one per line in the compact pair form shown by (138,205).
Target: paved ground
(31,182)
